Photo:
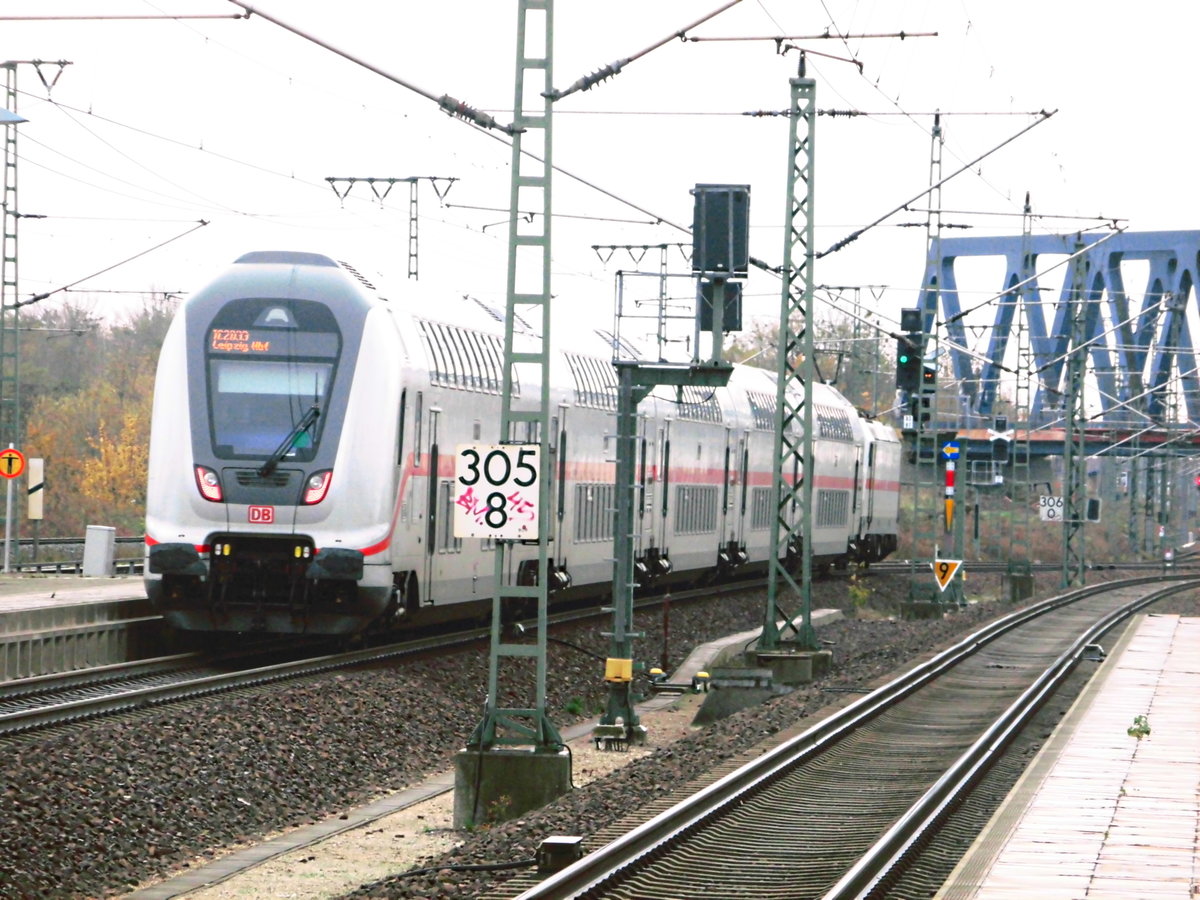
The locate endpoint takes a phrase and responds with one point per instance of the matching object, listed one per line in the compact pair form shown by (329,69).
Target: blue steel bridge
(1138,340)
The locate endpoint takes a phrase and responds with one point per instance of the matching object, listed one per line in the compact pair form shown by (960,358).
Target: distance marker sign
(944,569)
(1050,509)
(496,491)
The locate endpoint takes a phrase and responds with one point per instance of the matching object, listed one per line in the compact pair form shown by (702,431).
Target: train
(301,461)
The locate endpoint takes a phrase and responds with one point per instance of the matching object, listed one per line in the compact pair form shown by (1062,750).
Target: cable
(37,298)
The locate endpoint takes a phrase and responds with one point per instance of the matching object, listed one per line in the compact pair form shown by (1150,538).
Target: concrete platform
(59,623)
(20,592)
(1100,814)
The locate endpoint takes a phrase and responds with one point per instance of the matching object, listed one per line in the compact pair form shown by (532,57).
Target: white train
(302,461)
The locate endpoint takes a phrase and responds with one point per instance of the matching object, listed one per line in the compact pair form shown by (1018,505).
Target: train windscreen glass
(261,384)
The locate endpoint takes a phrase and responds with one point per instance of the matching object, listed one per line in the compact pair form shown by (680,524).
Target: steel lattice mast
(791,491)
(528,261)
(10,405)
(1075,457)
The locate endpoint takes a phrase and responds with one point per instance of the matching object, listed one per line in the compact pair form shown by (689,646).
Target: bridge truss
(1136,344)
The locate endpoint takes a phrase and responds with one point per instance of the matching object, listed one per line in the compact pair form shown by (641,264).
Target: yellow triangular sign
(944,569)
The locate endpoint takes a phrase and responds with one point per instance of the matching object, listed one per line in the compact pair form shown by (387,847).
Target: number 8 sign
(495,491)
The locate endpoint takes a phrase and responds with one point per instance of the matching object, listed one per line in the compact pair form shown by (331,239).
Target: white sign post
(496,491)
(1050,509)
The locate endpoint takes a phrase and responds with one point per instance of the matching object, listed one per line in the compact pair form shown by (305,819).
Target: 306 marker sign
(496,491)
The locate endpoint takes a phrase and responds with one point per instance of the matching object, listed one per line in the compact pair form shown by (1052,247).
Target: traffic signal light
(909,347)
(908,362)
(928,378)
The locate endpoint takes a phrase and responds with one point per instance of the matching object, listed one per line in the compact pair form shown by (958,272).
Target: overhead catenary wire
(450,105)
(587,82)
(855,235)
(37,298)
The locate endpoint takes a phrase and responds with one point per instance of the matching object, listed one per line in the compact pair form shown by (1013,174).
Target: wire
(37,298)
(137,163)
(853,236)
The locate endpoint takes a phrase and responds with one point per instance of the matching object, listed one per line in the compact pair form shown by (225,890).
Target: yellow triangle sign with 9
(944,569)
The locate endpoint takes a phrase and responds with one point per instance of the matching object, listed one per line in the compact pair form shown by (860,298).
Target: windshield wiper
(306,422)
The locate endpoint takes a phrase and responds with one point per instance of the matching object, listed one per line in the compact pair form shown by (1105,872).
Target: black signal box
(721,229)
(732,306)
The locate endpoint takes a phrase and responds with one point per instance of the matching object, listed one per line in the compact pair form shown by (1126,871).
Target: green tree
(88,386)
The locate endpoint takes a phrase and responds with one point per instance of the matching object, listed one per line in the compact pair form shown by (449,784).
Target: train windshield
(263,380)
(256,403)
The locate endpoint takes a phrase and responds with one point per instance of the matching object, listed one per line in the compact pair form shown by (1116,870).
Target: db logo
(262,515)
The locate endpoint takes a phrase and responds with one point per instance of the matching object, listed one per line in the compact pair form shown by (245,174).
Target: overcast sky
(157,125)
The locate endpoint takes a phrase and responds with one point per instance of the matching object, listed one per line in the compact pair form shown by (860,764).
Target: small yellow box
(618,670)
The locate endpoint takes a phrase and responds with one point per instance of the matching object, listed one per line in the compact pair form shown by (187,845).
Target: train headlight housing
(317,487)
(209,484)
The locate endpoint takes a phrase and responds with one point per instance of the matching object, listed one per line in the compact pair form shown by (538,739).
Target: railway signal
(909,365)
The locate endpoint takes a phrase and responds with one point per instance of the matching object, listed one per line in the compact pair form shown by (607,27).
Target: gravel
(99,810)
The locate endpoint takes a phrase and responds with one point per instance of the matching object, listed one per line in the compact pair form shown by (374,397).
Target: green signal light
(904,358)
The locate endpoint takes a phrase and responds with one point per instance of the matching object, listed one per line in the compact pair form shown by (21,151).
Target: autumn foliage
(86,390)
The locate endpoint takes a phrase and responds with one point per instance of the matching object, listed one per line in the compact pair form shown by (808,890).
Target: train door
(558,450)
(644,491)
(742,476)
(868,482)
(664,480)
(727,481)
(429,593)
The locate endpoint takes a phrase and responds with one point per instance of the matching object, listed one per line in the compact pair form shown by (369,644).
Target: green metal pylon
(1074,453)
(791,492)
(528,251)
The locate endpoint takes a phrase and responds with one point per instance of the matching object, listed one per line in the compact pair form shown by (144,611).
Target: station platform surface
(19,592)
(1101,814)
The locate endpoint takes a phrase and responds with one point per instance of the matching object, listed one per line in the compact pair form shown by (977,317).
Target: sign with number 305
(495,491)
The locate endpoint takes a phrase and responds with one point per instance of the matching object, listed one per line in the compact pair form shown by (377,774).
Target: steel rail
(592,871)
(21,721)
(883,861)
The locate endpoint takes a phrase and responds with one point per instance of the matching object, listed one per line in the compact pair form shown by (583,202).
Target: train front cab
(245,531)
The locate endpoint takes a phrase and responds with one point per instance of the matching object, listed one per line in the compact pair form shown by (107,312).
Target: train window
(437,368)
(465,359)
(475,354)
(448,543)
(695,508)
(833,508)
(762,410)
(593,513)
(760,509)
(698,404)
(833,423)
(595,381)
(400,429)
(254,403)
(451,365)
(269,362)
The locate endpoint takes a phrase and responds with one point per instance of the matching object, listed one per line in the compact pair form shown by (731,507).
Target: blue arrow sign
(950,451)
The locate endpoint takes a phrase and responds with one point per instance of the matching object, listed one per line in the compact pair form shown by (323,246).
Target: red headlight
(317,487)
(209,484)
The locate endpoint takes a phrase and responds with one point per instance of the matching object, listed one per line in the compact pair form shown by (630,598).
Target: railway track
(31,705)
(845,808)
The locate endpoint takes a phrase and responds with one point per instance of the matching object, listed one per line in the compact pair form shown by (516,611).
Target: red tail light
(317,487)
(209,484)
